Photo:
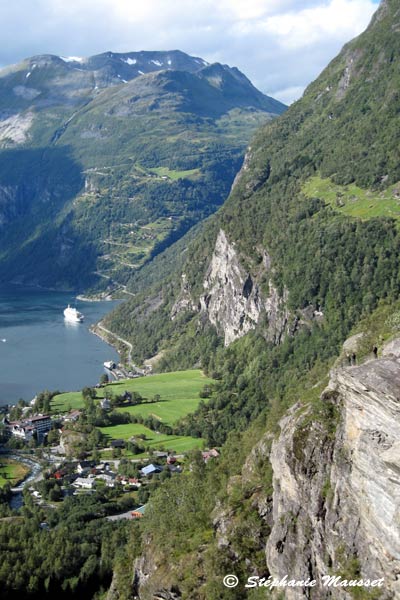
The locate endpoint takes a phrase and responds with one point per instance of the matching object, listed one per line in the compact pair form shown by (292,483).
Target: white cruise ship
(72,315)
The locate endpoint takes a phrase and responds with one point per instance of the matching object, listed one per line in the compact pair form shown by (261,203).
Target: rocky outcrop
(16,200)
(245,167)
(337,485)
(10,204)
(352,344)
(14,129)
(233,300)
(392,348)
(230,301)
(185,300)
(145,584)
(151,581)
(348,73)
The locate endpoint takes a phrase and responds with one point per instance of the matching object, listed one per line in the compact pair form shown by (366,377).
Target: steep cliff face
(185,300)
(337,489)
(233,300)
(16,199)
(9,205)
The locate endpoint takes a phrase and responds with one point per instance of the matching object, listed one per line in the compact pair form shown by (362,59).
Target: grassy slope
(354,201)
(179,393)
(171,174)
(153,439)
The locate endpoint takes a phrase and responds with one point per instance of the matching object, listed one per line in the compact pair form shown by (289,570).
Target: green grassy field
(179,392)
(12,471)
(168,411)
(153,439)
(354,201)
(65,402)
(165,172)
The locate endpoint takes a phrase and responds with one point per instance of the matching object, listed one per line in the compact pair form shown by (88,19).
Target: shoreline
(104,334)
(97,330)
(84,298)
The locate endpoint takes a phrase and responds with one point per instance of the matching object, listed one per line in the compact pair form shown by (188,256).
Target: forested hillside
(321,256)
(266,295)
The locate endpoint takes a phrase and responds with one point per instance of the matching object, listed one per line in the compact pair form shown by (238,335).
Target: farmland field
(66,402)
(171,174)
(167,411)
(153,439)
(179,396)
(178,391)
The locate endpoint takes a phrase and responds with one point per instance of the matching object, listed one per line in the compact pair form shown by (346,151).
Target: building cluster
(84,474)
(87,475)
(25,429)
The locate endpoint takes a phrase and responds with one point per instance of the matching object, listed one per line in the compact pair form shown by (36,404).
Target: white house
(84,483)
(109,481)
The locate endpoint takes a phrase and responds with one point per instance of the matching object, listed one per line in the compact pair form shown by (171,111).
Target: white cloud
(257,9)
(289,94)
(280,44)
(306,27)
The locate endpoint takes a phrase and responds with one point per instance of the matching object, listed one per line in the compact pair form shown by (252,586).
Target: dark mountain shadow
(36,186)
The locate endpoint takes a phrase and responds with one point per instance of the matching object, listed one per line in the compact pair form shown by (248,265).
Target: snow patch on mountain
(129,61)
(69,59)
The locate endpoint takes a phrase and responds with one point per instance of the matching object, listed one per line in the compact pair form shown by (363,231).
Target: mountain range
(113,157)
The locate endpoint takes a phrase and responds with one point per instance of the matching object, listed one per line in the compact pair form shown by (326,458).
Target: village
(77,457)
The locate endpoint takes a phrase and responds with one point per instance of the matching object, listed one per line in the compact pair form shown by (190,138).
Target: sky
(281,45)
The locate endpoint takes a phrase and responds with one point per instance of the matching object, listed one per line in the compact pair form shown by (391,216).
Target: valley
(114,163)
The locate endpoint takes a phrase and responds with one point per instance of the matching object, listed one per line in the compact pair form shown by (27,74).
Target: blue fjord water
(39,350)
